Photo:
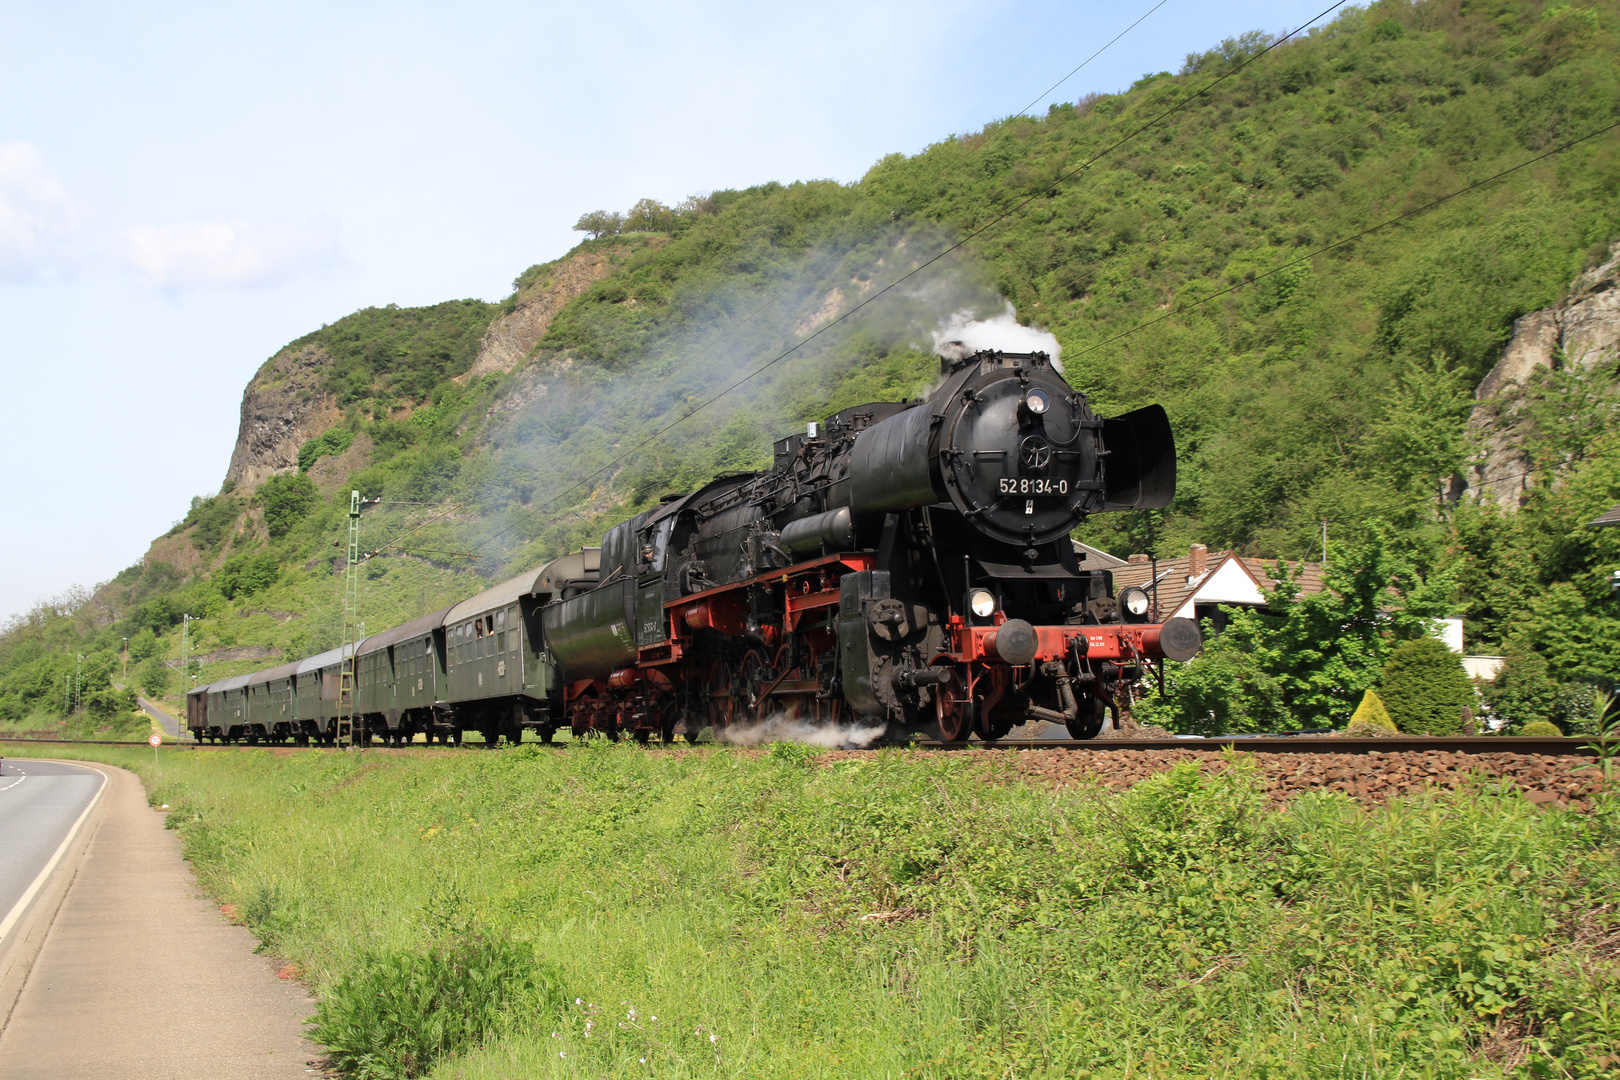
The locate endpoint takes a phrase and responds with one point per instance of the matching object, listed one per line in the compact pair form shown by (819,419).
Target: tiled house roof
(1202,577)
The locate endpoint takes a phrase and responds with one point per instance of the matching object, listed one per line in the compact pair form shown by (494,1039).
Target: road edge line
(19,953)
(16,913)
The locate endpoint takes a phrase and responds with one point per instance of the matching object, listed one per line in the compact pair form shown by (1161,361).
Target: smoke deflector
(1140,470)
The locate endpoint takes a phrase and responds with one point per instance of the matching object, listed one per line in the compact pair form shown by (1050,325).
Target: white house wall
(1228,583)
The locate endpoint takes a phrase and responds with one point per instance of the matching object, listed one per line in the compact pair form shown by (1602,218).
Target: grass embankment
(719,913)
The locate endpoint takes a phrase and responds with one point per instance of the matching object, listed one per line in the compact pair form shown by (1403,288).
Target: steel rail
(1296,744)
(1537,746)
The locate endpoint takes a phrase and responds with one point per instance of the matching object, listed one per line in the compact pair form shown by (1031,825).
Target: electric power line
(1042,95)
(709,346)
(958,245)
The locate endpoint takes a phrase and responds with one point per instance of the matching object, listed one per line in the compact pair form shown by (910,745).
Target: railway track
(1494,744)
(1293,744)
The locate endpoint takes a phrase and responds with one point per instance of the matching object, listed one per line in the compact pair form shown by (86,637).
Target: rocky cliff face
(1581,334)
(284,405)
(282,408)
(509,338)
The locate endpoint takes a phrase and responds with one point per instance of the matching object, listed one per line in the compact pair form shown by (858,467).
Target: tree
(649,215)
(1221,691)
(599,223)
(1325,649)
(143,644)
(1425,688)
(155,677)
(286,500)
(244,575)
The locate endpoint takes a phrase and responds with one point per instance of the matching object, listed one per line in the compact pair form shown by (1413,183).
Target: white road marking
(39,880)
(15,782)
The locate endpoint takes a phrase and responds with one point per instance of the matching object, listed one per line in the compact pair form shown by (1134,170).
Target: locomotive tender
(905,564)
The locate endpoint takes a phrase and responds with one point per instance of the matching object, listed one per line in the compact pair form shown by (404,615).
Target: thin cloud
(36,215)
(230,253)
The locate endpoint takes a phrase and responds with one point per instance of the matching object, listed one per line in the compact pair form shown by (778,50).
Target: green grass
(910,915)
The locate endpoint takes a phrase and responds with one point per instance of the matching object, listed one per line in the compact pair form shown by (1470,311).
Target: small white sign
(155,740)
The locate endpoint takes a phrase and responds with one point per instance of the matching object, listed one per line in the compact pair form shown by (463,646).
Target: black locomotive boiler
(905,564)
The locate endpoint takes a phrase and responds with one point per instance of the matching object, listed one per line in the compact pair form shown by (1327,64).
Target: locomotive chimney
(1197,562)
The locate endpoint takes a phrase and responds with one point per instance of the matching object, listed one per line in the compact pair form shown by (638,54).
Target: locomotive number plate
(1025,485)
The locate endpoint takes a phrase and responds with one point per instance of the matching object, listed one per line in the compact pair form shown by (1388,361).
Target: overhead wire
(1044,93)
(998,219)
(709,346)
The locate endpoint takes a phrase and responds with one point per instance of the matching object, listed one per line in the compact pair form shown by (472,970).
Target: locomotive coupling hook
(1071,707)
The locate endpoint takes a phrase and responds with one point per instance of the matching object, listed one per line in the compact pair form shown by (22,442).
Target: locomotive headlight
(981,603)
(1134,603)
(1037,402)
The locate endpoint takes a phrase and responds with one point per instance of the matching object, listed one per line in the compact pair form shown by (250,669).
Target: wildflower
(714,1038)
(562,1053)
(578,1001)
(655,1019)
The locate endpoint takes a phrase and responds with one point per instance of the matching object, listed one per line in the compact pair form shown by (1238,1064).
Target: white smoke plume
(781,728)
(962,335)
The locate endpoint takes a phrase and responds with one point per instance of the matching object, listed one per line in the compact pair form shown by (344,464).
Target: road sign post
(155,741)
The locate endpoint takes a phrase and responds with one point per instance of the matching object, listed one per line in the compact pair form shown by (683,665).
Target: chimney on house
(1197,562)
(1138,558)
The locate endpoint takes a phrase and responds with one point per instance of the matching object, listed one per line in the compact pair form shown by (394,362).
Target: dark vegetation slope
(1332,386)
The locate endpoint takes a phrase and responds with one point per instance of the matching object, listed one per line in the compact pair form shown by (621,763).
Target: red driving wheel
(953,708)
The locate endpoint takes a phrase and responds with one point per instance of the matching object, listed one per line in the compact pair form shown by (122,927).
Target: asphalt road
(171,726)
(39,803)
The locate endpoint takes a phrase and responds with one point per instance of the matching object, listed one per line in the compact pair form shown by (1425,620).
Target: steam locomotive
(905,564)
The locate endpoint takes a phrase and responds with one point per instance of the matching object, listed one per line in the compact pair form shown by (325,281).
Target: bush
(286,500)
(1540,729)
(108,704)
(1222,691)
(398,1013)
(1425,688)
(244,575)
(329,444)
(1524,692)
(1371,712)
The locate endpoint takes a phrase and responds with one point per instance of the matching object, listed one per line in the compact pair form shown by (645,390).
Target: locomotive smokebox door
(1018,452)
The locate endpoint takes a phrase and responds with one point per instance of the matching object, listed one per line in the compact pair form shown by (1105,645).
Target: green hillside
(1329,386)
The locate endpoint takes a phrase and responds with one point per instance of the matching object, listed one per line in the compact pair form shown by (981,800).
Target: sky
(184,188)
